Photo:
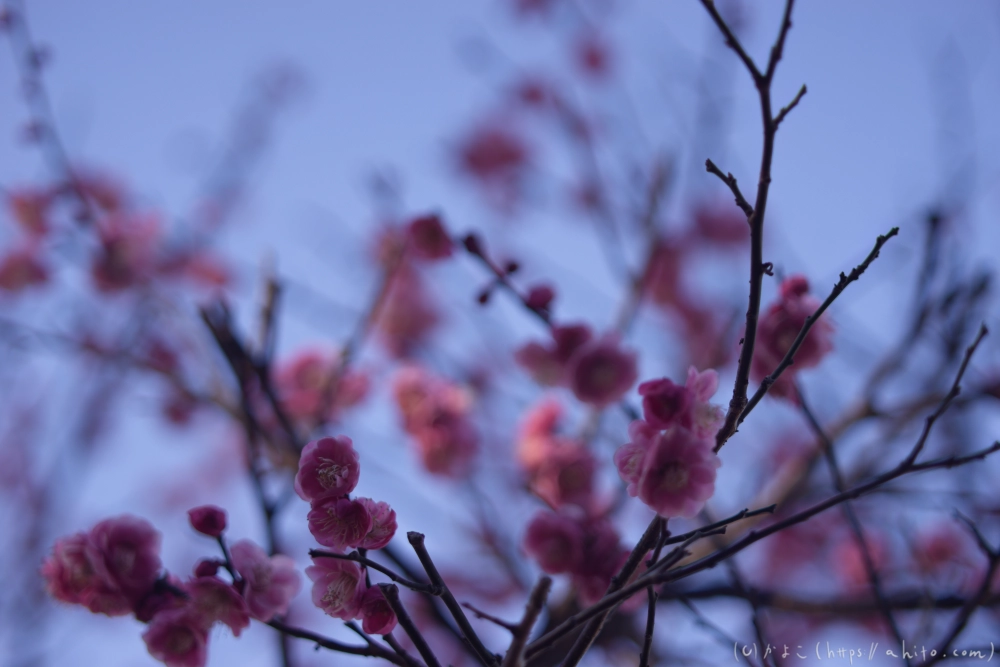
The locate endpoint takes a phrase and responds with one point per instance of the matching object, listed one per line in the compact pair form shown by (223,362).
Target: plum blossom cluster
(435,414)
(574,537)
(596,369)
(328,472)
(669,463)
(115,569)
(777,330)
(129,249)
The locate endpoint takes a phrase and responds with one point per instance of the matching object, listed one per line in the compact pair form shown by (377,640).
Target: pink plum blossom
(548,363)
(383,524)
(270,582)
(208,520)
(22,268)
(178,638)
(304,385)
(30,209)
(778,328)
(435,414)
(339,523)
(555,540)
(601,371)
(338,587)
(127,250)
(70,576)
(328,468)
(215,600)
(537,432)
(678,472)
(377,617)
(566,475)
(428,238)
(665,404)
(125,553)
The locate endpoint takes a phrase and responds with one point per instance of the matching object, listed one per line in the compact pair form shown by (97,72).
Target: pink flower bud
(540,297)
(339,523)
(328,468)
(21,268)
(270,582)
(377,616)
(383,524)
(71,576)
(207,567)
(338,587)
(208,520)
(601,372)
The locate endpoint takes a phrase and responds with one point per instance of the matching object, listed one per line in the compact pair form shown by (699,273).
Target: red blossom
(339,523)
(428,238)
(600,372)
(338,587)
(270,582)
(377,617)
(22,268)
(177,638)
(328,468)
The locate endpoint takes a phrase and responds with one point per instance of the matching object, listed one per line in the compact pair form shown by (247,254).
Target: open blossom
(665,404)
(777,330)
(383,524)
(377,617)
(216,601)
(270,582)
(178,638)
(722,225)
(339,523)
(555,540)
(537,433)
(126,254)
(601,371)
(548,363)
(30,209)
(408,314)
(304,385)
(328,468)
(435,414)
(673,472)
(71,576)
(428,238)
(566,475)
(125,552)
(22,268)
(338,587)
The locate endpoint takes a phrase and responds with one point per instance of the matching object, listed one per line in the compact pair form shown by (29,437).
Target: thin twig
(355,557)
(391,593)
(522,632)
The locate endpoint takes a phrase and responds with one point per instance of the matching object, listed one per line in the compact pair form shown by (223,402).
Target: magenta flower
(328,468)
(630,458)
(177,638)
(216,601)
(666,404)
(383,524)
(21,268)
(339,523)
(304,380)
(70,576)
(208,520)
(548,363)
(678,474)
(126,256)
(377,617)
(566,475)
(270,582)
(435,414)
(537,433)
(338,587)
(601,372)
(125,553)
(555,540)
(428,238)
(778,328)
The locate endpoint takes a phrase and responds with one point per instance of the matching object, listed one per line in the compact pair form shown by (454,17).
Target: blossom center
(330,474)
(675,477)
